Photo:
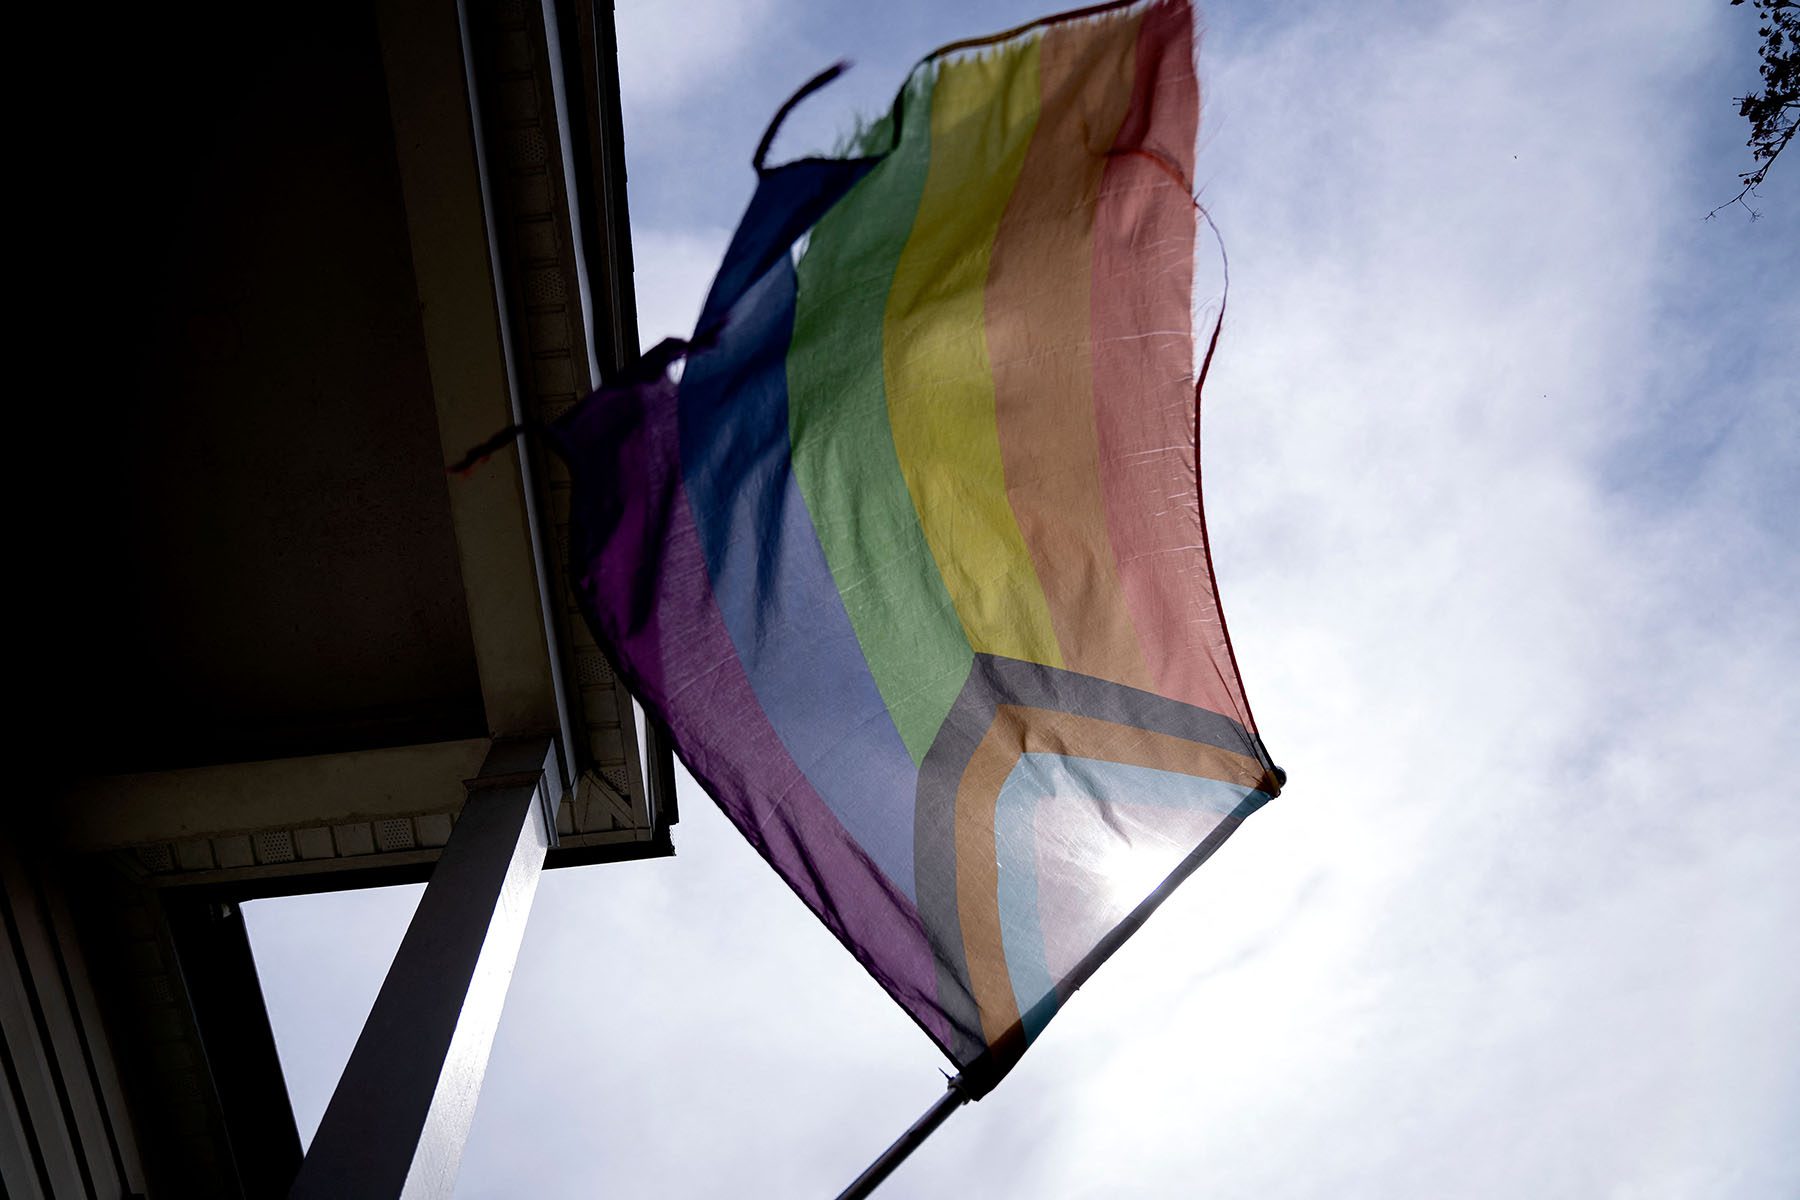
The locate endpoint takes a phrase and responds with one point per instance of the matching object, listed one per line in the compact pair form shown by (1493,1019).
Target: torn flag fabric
(910,562)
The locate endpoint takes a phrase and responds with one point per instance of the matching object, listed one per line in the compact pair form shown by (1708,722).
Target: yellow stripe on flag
(940,383)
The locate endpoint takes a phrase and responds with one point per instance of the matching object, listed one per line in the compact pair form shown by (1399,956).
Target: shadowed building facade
(341,247)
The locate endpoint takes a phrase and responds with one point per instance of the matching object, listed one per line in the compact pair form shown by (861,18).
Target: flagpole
(953,1098)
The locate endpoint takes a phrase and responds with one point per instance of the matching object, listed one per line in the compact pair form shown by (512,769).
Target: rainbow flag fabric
(910,562)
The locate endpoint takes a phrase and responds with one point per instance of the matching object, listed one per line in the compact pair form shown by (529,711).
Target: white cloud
(673,269)
(669,51)
(321,960)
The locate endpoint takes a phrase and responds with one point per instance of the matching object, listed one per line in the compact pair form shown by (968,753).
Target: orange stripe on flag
(1038,325)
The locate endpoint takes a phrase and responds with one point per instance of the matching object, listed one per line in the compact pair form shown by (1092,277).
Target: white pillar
(396,1124)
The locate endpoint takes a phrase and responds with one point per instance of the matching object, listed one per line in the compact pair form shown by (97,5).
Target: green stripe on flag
(843,444)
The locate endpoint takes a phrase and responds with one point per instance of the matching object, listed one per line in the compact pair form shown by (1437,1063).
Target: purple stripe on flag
(649,593)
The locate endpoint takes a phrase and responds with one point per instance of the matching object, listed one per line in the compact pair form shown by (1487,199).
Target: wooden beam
(472,381)
(118,811)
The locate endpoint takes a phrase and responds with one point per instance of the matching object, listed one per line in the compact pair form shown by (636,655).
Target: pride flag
(911,563)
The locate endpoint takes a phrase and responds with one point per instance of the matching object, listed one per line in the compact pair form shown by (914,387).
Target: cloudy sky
(1503,462)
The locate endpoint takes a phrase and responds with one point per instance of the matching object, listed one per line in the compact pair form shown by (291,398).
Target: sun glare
(1130,873)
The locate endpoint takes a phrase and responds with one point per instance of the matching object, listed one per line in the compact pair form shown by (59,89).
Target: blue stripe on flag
(773,586)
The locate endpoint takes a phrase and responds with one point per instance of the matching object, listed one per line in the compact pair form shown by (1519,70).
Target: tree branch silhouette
(1773,112)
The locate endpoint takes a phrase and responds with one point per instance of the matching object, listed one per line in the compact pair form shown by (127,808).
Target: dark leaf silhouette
(1774,111)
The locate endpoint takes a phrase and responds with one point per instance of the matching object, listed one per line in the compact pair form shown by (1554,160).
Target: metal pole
(954,1097)
(396,1123)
